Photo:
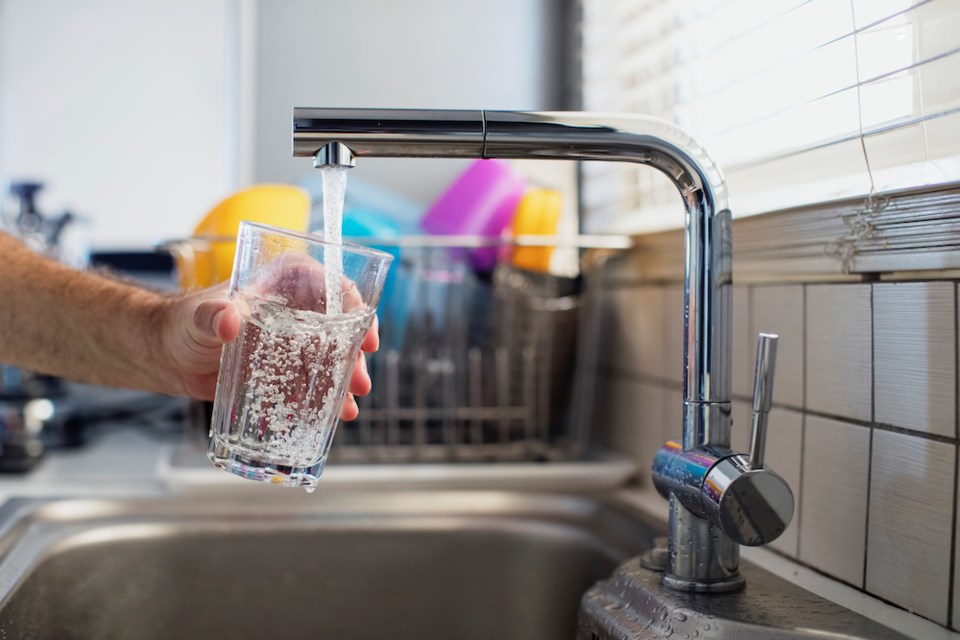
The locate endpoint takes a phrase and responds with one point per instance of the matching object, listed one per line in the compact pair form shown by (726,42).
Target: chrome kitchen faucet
(718,498)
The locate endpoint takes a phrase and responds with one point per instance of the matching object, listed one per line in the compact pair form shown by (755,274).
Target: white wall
(496,54)
(123,108)
(143,114)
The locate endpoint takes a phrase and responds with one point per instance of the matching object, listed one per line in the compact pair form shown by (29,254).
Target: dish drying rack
(475,366)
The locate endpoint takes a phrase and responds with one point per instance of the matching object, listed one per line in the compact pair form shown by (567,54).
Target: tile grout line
(873,414)
(923,435)
(751,356)
(803,416)
(641,378)
(951,588)
(875,596)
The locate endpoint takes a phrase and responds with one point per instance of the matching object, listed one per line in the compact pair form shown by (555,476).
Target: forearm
(76,325)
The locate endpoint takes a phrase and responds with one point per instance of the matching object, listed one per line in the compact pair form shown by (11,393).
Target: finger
(214,322)
(351,294)
(350,409)
(292,279)
(226,324)
(300,281)
(371,341)
(360,383)
(202,387)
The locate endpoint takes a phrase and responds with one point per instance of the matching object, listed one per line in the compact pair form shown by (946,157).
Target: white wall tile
(646,318)
(783,455)
(911,520)
(639,323)
(956,569)
(632,318)
(663,426)
(609,339)
(672,414)
(628,418)
(780,310)
(839,377)
(833,518)
(605,415)
(742,367)
(742,415)
(914,355)
(672,301)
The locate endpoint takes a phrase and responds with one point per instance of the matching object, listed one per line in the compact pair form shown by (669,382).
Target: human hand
(194,329)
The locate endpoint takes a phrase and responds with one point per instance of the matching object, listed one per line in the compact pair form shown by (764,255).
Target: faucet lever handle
(762,396)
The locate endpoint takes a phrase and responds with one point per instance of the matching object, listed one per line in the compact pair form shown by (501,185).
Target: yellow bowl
(208,257)
(280,205)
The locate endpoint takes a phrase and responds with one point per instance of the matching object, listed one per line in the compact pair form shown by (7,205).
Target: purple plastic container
(480,202)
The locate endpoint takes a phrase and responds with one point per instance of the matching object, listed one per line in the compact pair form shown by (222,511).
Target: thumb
(215,322)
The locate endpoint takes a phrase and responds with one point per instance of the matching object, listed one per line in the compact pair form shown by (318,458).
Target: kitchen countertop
(119,461)
(125,459)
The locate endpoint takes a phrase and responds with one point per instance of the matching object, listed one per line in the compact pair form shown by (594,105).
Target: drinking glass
(306,305)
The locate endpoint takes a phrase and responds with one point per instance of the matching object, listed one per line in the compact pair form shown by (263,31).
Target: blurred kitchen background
(836,122)
(142,117)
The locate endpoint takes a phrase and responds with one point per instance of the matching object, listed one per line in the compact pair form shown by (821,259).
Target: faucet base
(632,603)
(701,558)
(697,586)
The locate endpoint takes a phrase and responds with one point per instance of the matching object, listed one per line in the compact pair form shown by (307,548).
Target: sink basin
(345,565)
(370,564)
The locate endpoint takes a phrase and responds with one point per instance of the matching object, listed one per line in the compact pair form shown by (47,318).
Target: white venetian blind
(797,101)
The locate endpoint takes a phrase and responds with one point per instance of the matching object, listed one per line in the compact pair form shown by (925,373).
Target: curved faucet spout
(580,136)
(586,136)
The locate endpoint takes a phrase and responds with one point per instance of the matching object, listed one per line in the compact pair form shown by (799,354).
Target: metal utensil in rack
(477,368)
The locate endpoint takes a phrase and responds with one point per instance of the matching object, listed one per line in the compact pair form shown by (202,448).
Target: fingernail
(350,409)
(376,333)
(215,323)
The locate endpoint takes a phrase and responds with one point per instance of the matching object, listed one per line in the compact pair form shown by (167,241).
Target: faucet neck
(582,136)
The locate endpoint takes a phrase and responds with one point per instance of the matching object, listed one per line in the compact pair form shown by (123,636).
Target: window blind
(798,101)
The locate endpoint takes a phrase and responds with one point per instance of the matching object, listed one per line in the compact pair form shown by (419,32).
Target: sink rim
(572,507)
(32,529)
(562,542)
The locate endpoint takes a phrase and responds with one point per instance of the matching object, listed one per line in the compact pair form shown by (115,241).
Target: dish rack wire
(480,367)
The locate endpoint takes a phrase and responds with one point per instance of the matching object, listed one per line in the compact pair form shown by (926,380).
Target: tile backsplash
(835,495)
(915,356)
(910,523)
(864,425)
(839,375)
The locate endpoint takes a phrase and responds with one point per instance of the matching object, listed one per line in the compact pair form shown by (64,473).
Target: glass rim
(315,239)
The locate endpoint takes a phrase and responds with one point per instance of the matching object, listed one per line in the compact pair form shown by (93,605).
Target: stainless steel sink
(368,565)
